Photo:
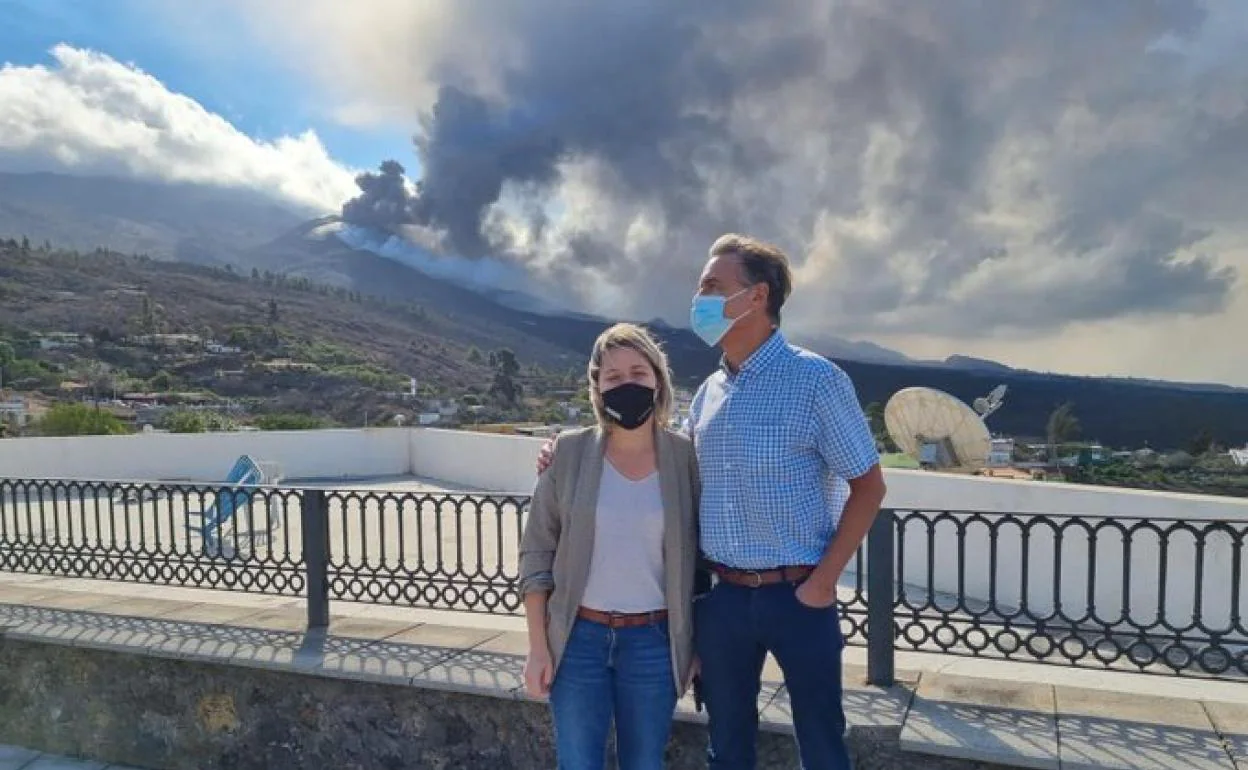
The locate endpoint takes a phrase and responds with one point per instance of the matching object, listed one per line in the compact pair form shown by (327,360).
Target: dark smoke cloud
(945,165)
(383,202)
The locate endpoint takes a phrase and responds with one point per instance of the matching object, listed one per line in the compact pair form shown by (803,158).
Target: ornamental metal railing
(1132,593)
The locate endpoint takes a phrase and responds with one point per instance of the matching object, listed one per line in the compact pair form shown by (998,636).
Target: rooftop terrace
(1130,593)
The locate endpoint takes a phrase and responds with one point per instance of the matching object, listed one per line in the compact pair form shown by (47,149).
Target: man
(791,483)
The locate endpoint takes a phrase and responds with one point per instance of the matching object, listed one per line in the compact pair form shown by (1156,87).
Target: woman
(607,563)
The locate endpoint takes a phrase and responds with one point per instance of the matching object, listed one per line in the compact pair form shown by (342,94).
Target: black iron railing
(1122,592)
(172,534)
(1165,596)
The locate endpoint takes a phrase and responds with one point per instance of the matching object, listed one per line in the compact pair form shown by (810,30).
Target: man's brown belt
(751,578)
(622,619)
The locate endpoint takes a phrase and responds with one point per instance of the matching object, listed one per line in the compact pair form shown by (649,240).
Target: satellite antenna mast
(986,405)
(937,429)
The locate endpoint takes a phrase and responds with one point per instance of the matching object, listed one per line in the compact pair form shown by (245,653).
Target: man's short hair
(761,262)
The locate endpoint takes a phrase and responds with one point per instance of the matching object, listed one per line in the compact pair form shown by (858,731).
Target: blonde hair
(626,335)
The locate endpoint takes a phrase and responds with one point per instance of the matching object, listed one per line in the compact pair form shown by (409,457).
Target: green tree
(186,422)
(79,420)
(7,357)
(290,422)
(1201,443)
(99,377)
(504,386)
(474,356)
(273,312)
(148,316)
(1063,427)
(874,412)
(239,338)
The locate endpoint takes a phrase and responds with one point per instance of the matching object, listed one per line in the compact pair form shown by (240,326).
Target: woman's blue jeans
(623,674)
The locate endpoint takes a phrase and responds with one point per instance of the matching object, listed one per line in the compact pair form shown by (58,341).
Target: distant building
(166,340)
(1240,456)
(55,340)
(285,364)
(15,410)
(218,348)
(444,407)
(1001,453)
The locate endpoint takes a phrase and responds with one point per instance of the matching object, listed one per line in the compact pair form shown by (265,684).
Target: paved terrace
(1009,714)
(1012,714)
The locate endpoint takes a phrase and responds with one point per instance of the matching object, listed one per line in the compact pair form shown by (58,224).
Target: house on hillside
(58,340)
(1240,456)
(16,411)
(166,340)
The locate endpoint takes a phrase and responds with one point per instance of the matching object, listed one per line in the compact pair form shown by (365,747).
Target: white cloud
(90,114)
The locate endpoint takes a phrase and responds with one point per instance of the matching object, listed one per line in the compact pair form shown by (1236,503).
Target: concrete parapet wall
(177,714)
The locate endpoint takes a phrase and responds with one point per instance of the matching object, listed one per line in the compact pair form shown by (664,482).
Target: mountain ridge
(1123,410)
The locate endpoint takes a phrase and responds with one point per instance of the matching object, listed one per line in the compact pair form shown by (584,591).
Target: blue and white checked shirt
(776,442)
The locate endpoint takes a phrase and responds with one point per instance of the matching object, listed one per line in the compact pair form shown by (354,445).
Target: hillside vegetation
(364,325)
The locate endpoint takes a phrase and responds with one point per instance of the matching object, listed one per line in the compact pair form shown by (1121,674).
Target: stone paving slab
(1119,731)
(16,758)
(1006,723)
(1231,721)
(201,612)
(866,705)
(49,762)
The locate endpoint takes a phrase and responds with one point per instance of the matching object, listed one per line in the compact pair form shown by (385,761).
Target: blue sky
(204,54)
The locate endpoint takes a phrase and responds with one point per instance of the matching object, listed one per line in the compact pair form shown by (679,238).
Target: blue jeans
(735,628)
(605,673)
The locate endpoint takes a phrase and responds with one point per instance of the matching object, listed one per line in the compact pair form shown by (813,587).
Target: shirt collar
(760,358)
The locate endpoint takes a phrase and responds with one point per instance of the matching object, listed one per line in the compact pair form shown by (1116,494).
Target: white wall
(486,461)
(208,456)
(942,491)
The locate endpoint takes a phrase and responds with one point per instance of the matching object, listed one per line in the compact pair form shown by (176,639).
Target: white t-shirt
(626,569)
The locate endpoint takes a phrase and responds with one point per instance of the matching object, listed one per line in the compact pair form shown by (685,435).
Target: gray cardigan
(558,539)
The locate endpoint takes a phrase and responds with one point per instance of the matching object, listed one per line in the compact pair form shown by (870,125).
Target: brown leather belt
(756,578)
(622,619)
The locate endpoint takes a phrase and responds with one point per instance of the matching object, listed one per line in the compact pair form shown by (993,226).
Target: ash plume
(938,165)
(383,202)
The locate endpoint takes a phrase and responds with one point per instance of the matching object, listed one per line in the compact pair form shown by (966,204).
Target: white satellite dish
(986,405)
(937,429)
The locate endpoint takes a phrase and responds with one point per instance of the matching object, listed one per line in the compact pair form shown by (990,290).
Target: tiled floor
(15,758)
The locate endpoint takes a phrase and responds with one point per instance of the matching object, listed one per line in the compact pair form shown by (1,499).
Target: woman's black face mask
(629,405)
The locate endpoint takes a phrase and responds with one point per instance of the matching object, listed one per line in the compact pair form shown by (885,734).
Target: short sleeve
(843,435)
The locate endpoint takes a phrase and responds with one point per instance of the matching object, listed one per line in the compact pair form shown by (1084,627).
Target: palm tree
(1063,427)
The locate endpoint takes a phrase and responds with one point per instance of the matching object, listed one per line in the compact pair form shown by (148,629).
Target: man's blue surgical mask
(707,319)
